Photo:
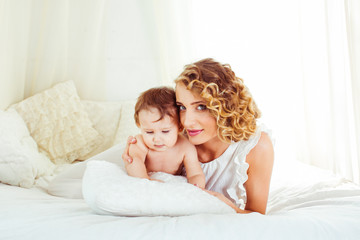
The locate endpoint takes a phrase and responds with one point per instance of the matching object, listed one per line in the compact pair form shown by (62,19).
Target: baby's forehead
(149,113)
(151,109)
(154,118)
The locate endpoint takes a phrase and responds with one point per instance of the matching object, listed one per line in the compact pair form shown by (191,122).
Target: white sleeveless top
(228,173)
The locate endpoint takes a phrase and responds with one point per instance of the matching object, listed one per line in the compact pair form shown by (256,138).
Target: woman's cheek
(182,118)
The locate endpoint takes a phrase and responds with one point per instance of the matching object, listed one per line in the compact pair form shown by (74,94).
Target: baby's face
(158,135)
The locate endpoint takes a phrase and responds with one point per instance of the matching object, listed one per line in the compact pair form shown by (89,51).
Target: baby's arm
(138,152)
(194,173)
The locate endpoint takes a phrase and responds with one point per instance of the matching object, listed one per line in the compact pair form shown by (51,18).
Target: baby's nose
(156,138)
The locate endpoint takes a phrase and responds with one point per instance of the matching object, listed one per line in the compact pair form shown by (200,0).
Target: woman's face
(199,124)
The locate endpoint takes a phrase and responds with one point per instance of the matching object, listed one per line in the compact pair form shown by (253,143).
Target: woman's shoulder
(262,140)
(264,144)
(262,151)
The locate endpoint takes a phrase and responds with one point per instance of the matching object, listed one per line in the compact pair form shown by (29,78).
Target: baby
(161,147)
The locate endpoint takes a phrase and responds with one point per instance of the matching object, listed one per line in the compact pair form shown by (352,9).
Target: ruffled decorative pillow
(59,123)
(108,189)
(105,117)
(20,162)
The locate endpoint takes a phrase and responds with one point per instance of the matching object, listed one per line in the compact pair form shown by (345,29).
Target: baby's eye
(149,132)
(201,107)
(166,131)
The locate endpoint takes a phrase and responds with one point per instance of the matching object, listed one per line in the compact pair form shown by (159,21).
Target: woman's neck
(211,150)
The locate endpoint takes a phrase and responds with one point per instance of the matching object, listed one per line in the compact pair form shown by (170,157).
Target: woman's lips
(193,133)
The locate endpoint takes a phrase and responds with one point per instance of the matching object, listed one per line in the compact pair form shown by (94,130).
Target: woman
(219,117)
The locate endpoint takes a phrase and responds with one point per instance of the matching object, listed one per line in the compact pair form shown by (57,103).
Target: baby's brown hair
(161,98)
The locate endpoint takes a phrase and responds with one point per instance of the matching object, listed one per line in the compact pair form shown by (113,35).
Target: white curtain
(147,45)
(111,49)
(44,42)
(352,8)
(300,59)
(14,28)
(330,125)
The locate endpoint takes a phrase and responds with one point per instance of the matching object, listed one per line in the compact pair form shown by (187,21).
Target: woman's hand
(221,197)
(126,156)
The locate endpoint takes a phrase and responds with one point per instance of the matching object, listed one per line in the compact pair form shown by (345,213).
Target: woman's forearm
(197,180)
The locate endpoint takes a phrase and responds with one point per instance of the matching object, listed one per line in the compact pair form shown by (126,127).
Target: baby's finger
(131,140)
(125,156)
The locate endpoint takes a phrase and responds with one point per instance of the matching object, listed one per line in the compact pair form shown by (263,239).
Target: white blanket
(33,214)
(304,203)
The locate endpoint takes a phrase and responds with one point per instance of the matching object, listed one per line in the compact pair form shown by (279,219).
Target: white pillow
(59,123)
(68,183)
(20,162)
(105,117)
(107,189)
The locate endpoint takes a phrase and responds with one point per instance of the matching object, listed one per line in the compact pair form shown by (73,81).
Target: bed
(305,202)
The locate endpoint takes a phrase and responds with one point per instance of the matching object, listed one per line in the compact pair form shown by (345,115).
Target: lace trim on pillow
(237,190)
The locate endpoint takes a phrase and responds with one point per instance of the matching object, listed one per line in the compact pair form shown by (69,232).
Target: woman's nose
(187,119)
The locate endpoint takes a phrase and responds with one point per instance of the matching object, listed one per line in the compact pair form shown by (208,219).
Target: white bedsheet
(304,203)
(32,214)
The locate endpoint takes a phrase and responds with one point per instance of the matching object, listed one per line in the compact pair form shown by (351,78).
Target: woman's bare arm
(260,160)
(227,201)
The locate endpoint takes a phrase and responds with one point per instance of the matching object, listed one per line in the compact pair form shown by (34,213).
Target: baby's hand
(125,156)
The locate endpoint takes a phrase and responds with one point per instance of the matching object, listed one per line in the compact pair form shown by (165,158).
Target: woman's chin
(196,140)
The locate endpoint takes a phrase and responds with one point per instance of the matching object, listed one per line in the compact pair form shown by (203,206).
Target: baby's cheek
(172,140)
(147,141)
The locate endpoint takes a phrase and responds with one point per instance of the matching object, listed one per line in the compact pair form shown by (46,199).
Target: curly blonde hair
(226,96)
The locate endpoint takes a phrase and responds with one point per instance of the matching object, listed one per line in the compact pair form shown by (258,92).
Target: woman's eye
(181,107)
(201,107)
(149,132)
(166,131)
